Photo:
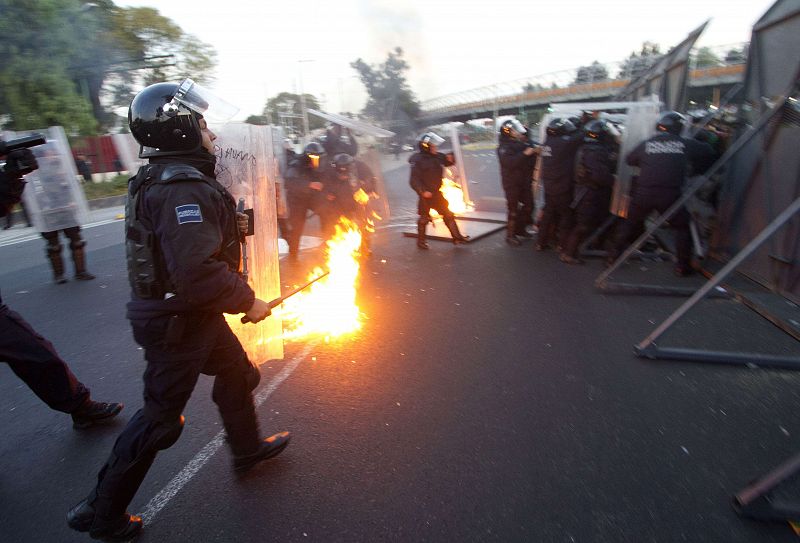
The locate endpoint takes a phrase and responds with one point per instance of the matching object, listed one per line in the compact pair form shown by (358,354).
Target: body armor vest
(147,271)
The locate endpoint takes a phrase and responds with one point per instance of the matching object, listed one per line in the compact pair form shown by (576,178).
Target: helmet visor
(433,139)
(199,99)
(517,126)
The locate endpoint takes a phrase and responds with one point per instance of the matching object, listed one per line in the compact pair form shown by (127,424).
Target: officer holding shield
(182,243)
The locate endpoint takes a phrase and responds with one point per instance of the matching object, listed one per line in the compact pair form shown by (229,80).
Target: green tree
(594,72)
(638,63)
(391,102)
(284,109)
(66,58)
(706,58)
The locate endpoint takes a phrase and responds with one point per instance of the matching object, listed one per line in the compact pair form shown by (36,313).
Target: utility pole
(303,111)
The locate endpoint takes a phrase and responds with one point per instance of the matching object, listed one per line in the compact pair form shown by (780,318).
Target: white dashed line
(160,500)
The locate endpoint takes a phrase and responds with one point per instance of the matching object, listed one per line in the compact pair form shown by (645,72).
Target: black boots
(82,519)
(271,446)
(79,259)
(421,243)
(450,223)
(92,413)
(511,235)
(57,263)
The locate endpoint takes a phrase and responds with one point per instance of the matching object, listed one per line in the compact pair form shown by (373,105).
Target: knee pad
(423,221)
(76,244)
(53,248)
(165,434)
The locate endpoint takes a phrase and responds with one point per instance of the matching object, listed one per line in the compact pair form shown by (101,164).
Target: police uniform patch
(188,213)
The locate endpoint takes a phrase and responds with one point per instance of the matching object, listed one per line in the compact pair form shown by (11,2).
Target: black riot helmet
(343,164)
(164,117)
(512,129)
(560,127)
(597,130)
(671,122)
(428,140)
(315,154)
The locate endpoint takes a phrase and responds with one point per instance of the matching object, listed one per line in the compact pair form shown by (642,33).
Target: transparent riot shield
(377,206)
(53,197)
(128,151)
(279,166)
(246,167)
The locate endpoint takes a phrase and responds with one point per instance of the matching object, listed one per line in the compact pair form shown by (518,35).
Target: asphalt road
(492,395)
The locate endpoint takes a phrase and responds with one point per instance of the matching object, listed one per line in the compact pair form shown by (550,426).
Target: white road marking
(160,500)
(36,235)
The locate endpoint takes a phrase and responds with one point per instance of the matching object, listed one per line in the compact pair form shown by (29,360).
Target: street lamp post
(303,111)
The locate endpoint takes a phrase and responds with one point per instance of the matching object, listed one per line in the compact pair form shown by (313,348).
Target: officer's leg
(546,223)
(439,203)
(683,237)
(525,210)
(512,211)
(76,245)
(564,217)
(424,210)
(297,221)
(54,256)
(236,378)
(638,209)
(34,360)
(176,349)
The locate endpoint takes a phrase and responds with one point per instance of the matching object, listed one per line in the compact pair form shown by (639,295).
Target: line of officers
(327,180)
(578,162)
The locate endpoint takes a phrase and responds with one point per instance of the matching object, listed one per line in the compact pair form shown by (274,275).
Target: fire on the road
(328,307)
(453,193)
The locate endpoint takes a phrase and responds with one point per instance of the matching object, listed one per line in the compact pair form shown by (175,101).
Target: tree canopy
(391,101)
(73,62)
(284,109)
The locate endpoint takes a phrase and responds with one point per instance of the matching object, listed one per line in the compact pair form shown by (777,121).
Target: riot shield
(128,151)
(246,167)
(53,197)
(379,205)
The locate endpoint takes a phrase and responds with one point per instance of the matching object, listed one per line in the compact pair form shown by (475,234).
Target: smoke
(389,24)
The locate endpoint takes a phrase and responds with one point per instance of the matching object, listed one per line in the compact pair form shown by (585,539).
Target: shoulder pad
(180,172)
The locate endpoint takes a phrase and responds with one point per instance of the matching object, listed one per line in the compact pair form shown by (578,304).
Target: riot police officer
(663,161)
(427,170)
(305,181)
(517,158)
(29,355)
(595,166)
(182,243)
(558,161)
(339,140)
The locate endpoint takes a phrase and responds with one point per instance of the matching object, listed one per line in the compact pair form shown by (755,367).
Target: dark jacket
(337,144)
(594,166)
(427,171)
(193,221)
(299,175)
(558,162)
(664,160)
(516,168)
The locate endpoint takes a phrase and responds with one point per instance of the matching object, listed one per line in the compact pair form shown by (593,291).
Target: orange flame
(453,193)
(328,307)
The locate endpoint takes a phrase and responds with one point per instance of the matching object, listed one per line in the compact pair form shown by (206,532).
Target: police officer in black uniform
(595,166)
(340,140)
(558,165)
(517,159)
(427,170)
(182,242)
(663,162)
(29,355)
(305,181)
(349,186)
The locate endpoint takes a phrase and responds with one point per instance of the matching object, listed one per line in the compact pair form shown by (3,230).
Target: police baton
(278,301)
(243,240)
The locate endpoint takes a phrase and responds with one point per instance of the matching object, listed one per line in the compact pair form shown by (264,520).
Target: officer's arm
(415,179)
(512,158)
(190,235)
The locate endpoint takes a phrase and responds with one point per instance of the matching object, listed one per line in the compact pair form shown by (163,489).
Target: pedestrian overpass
(588,84)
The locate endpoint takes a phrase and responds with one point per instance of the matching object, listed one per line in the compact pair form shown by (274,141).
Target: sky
(265,47)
